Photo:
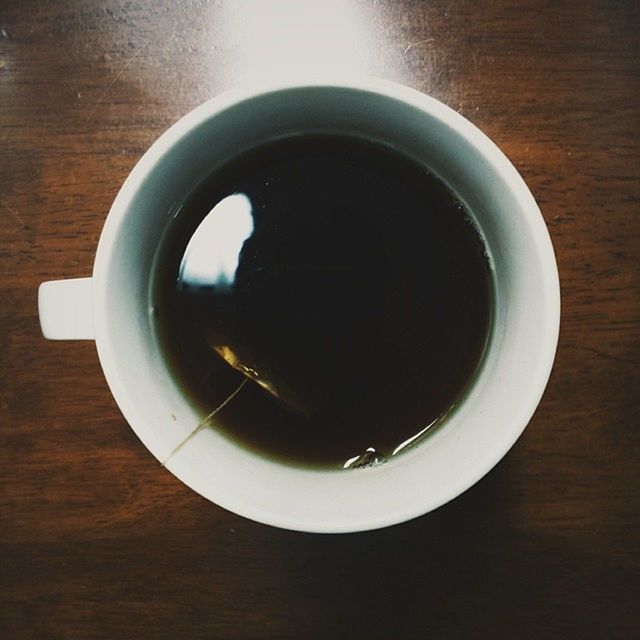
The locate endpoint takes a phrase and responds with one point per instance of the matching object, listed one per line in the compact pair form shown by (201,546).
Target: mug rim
(539,237)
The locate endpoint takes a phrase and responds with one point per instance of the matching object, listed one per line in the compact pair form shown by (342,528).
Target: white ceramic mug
(112,307)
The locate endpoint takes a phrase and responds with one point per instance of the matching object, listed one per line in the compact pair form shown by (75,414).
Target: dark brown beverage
(341,282)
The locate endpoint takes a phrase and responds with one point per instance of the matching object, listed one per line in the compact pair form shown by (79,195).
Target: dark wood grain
(98,541)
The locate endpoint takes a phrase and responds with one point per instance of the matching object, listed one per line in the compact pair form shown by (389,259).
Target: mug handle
(65,308)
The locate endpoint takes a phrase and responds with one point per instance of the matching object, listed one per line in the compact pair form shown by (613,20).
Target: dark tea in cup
(344,286)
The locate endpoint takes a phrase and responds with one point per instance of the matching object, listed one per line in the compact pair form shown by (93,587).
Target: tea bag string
(205,422)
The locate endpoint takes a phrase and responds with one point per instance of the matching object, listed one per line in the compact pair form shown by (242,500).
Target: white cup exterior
(474,437)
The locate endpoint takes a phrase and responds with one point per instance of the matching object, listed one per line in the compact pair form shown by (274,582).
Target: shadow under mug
(112,307)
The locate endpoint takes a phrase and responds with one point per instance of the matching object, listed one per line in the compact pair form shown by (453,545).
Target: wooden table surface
(98,541)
